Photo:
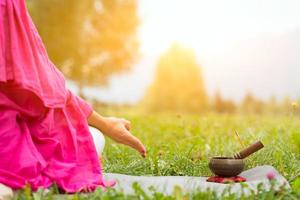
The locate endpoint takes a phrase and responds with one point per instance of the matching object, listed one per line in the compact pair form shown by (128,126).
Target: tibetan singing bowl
(226,166)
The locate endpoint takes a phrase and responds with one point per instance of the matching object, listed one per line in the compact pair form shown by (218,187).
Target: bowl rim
(224,158)
(226,161)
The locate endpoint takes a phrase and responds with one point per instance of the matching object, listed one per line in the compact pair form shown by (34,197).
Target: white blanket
(166,184)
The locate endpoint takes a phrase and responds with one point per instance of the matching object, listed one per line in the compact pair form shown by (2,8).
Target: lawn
(181,144)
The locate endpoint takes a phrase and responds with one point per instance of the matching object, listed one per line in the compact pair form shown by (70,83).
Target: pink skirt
(44,135)
(41,146)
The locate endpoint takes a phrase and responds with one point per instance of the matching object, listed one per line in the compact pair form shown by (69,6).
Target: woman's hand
(118,130)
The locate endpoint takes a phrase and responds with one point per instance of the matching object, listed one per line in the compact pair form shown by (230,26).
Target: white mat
(166,184)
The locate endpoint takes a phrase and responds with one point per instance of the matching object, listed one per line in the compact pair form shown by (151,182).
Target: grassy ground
(183,144)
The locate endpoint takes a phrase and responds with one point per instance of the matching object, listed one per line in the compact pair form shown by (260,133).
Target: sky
(223,33)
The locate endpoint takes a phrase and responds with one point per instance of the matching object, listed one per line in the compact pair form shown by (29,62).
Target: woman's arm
(117,129)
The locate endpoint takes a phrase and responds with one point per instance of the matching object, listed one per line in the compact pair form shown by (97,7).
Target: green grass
(183,144)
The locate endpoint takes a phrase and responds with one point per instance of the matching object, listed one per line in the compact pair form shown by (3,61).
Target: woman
(44,132)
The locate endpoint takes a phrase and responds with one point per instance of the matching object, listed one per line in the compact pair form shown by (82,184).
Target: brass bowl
(226,166)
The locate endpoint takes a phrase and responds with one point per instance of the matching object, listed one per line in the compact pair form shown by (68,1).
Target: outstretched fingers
(135,143)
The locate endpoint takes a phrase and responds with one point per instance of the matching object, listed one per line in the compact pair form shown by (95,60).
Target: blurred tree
(286,105)
(251,104)
(272,105)
(88,40)
(178,84)
(221,105)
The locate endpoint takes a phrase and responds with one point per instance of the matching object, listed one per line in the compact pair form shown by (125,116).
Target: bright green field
(182,145)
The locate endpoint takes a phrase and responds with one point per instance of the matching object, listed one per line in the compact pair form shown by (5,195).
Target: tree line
(179,86)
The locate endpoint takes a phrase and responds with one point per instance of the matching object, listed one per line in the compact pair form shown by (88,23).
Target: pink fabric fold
(44,135)
(23,57)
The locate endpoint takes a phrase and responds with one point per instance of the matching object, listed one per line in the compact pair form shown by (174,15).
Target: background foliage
(88,40)
(178,84)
